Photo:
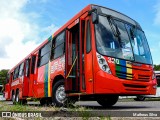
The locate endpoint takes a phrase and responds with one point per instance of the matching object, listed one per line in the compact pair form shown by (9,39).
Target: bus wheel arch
(56,79)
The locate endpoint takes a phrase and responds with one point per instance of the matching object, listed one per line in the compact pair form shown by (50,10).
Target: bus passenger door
(32,76)
(87,57)
(26,78)
(72,59)
(28,88)
(79,65)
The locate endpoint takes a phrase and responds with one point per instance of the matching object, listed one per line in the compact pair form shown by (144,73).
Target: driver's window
(139,44)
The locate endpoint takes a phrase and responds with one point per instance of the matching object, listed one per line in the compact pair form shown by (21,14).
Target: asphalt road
(120,105)
(123,108)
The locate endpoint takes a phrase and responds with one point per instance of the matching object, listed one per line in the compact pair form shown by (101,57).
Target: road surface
(123,108)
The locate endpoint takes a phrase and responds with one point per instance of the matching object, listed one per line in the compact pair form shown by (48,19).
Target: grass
(19,107)
(83,113)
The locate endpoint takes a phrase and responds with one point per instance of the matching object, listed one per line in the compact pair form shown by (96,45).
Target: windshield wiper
(132,32)
(116,30)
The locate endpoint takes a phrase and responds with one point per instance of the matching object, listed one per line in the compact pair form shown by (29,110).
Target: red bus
(99,55)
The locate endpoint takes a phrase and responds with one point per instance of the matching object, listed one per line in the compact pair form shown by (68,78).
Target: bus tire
(139,98)
(42,101)
(17,97)
(107,101)
(24,101)
(58,94)
(13,98)
(45,101)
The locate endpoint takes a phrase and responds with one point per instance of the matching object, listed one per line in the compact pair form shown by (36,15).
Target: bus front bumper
(108,84)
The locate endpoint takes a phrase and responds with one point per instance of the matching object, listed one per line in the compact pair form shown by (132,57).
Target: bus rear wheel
(139,98)
(17,97)
(13,98)
(18,100)
(45,101)
(107,101)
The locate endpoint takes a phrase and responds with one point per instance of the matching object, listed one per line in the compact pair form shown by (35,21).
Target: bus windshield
(119,39)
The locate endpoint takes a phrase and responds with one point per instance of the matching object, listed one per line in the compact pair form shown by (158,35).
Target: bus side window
(33,64)
(12,76)
(27,67)
(88,38)
(44,54)
(16,71)
(58,46)
(21,70)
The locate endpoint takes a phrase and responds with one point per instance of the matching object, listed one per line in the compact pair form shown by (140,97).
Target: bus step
(71,76)
(71,91)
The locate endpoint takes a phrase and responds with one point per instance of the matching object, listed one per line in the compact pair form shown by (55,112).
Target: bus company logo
(136,64)
(76,21)
(129,62)
(58,65)
(15,83)
(6,114)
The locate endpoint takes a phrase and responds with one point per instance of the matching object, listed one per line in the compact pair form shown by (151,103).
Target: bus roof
(87,8)
(83,11)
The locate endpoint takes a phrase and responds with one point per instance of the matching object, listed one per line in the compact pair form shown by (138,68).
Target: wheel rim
(60,94)
(17,98)
(141,97)
(13,98)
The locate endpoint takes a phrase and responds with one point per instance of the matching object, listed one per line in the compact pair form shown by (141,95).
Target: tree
(3,74)
(157,67)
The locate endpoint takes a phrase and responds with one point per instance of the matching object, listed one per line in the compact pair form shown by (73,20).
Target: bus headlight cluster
(103,64)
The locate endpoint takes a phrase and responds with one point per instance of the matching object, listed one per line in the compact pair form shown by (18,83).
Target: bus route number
(113,60)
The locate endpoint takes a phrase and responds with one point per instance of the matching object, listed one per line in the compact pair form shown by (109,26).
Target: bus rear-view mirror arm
(94,15)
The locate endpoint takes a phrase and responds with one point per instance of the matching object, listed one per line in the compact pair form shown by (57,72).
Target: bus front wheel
(107,101)
(58,94)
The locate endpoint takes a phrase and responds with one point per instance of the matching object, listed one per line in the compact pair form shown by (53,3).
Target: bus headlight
(101,61)
(103,64)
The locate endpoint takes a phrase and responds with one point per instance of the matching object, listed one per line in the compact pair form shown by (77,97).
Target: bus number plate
(113,60)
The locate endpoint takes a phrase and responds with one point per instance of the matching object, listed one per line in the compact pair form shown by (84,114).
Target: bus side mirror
(94,18)
(94,15)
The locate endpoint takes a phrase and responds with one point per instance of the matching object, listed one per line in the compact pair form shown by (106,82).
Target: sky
(25,24)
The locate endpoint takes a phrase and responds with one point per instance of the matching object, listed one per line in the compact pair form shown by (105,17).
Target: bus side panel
(39,83)
(42,86)
(7,91)
(57,67)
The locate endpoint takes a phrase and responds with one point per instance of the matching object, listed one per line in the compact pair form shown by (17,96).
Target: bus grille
(135,88)
(128,76)
(143,78)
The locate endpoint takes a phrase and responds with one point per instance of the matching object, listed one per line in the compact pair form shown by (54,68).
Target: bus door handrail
(71,67)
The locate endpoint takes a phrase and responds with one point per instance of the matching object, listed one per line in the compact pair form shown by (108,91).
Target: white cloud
(18,35)
(157,16)
(50,29)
